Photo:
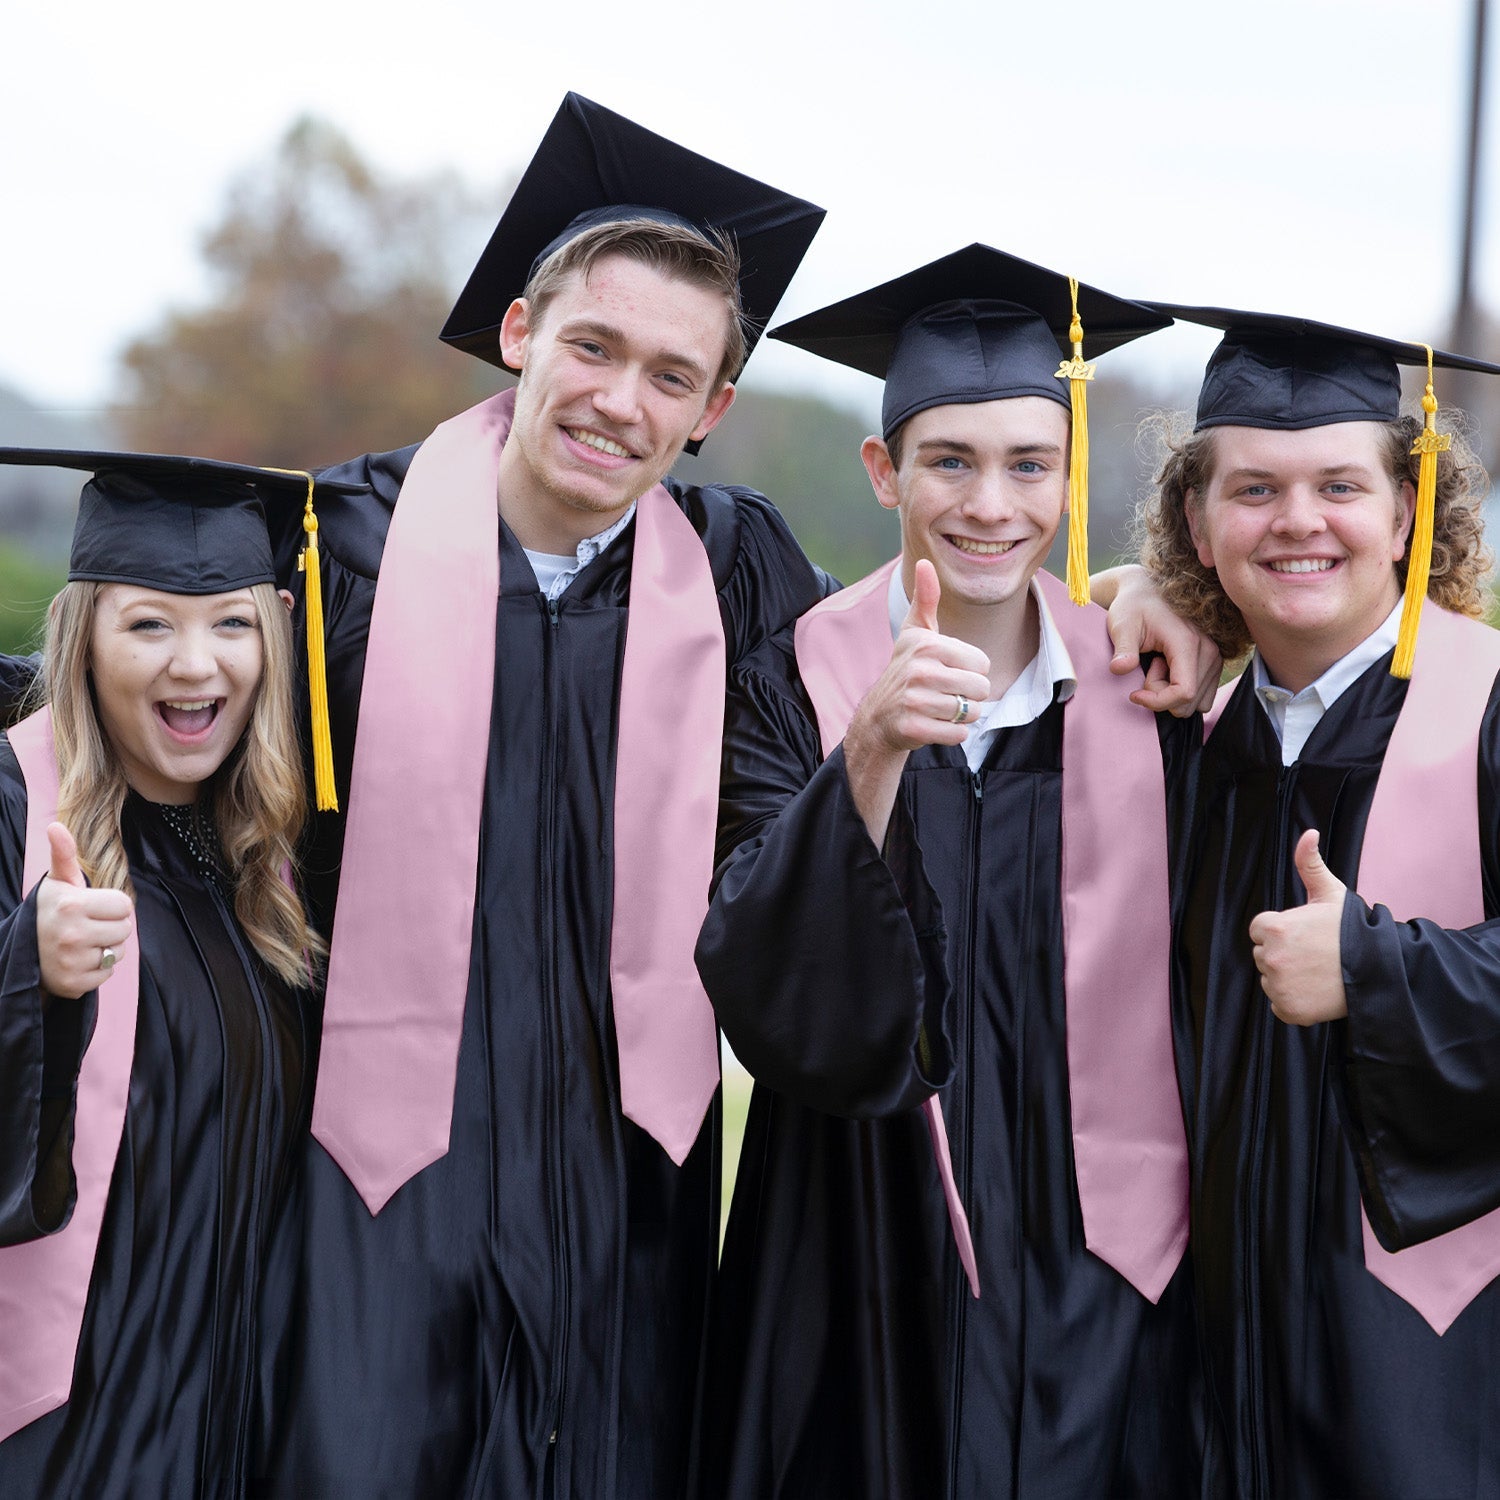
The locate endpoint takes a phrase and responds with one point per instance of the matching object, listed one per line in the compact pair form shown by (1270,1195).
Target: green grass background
(737,1085)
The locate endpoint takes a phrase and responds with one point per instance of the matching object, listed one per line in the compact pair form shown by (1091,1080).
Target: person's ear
(1408,510)
(714,413)
(1196,529)
(877,461)
(515,330)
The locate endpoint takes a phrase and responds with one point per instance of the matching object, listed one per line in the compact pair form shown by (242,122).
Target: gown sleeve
(41,1049)
(824,957)
(1421,1064)
(770,581)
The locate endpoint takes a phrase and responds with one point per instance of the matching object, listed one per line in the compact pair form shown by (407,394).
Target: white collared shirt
(556,570)
(1294,716)
(1048,675)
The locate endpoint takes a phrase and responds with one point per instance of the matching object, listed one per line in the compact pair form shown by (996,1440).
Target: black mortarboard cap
(1291,373)
(977,325)
(981,325)
(594,166)
(182,525)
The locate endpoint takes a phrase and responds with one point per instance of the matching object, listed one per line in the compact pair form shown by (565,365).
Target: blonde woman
(154,964)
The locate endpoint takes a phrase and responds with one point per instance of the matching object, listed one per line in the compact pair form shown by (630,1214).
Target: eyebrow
(607,333)
(160,601)
(944,445)
(968,450)
(1357,470)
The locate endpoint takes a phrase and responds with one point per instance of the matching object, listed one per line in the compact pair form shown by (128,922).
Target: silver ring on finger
(961,710)
(107,959)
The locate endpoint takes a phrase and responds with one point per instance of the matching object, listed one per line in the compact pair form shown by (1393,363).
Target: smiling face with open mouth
(1304,528)
(617,374)
(175,677)
(980,490)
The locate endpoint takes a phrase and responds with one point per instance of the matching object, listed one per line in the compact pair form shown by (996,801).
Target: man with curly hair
(1336,1020)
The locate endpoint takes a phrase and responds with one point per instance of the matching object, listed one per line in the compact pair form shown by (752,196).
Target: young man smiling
(943,865)
(512,1205)
(1337,1056)
(618,380)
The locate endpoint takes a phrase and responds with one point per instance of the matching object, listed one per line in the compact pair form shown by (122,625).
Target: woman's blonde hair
(258,796)
(1184,461)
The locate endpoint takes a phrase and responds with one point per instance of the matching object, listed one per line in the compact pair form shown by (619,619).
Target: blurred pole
(1467,336)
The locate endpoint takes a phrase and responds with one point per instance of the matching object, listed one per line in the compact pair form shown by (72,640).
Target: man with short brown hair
(512,1207)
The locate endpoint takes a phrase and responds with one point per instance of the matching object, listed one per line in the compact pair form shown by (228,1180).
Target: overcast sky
(1290,155)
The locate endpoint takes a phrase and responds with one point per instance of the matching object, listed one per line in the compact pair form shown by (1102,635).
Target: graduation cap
(1291,373)
(1286,373)
(195,526)
(981,325)
(596,167)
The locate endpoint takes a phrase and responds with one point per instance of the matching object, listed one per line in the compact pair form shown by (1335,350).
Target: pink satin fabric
(394,1011)
(1430,771)
(666,811)
(1130,1151)
(843,644)
(1429,780)
(44,1284)
(1129,1140)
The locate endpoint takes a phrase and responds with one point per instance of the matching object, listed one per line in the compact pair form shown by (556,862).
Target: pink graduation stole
(1129,1145)
(1431,768)
(44,1283)
(1430,771)
(398,972)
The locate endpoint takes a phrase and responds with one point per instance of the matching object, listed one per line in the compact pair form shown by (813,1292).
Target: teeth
(982,549)
(594,440)
(1303,565)
(191,706)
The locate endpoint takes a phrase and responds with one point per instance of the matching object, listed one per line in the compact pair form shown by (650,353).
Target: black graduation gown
(526,1316)
(176,1333)
(850,1359)
(17,678)
(1322,1381)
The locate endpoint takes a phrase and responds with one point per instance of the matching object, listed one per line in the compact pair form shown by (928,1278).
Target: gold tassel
(1430,442)
(1075,371)
(325,792)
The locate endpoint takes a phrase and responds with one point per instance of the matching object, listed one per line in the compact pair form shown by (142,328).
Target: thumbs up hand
(1297,951)
(926,696)
(931,677)
(78,930)
(927,594)
(63,866)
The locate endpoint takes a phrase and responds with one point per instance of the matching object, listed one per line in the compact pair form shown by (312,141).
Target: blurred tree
(332,282)
(804,454)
